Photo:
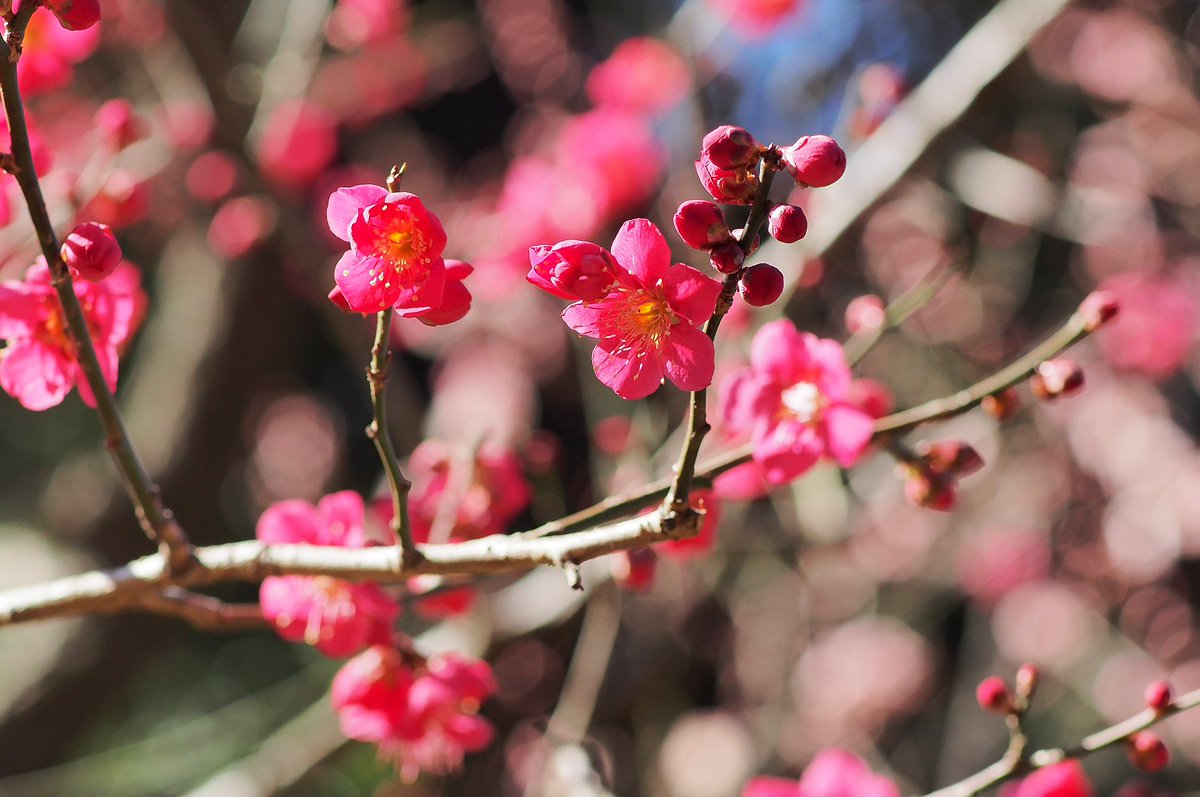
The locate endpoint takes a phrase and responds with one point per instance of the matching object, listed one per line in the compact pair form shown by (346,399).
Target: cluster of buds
(731,167)
(933,470)
(993,694)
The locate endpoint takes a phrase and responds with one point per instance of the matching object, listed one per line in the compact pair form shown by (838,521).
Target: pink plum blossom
(832,773)
(1157,325)
(482,493)
(39,366)
(395,256)
(794,400)
(643,75)
(337,617)
(298,142)
(758,17)
(50,51)
(423,716)
(1066,779)
(648,323)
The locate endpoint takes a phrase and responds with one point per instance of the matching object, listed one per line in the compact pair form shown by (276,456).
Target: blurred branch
(898,311)
(1012,766)
(601,622)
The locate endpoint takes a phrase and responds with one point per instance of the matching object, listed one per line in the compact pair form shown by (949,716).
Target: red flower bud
(730,186)
(730,147)
(1028,677)
(1158,696)
(1056,378)
(787,224)
(634,570)
(1148,752)
(992,695)
(815,161)
(1002,405)
(701,225)
(761,285)
(952,457)
(92,251)
(930,490)
(727,258)
(75,14)
(1098,308)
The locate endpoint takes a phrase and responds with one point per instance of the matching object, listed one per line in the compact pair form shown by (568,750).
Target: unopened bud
(701,225)
(1027,680)
(787,224)
(865,314)
(1002,405)
(930,490)
(75,14)
(815,161)
(729,186)
(1148,752)
(1056,378)
(950,456)
(730,147)
(1158,696)
(1098,308)
(992,695)
(761,285)
(727,258)
(92,251)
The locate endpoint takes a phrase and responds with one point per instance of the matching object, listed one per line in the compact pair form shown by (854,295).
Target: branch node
(574,575)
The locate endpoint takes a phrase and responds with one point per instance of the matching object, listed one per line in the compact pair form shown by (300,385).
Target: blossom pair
(395,257)
(645,313)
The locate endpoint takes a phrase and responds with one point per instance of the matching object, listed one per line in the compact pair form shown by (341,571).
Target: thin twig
(898,311)
(155,519)
(1011,766)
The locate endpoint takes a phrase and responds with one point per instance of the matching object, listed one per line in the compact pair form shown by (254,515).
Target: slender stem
(676,500)
(377,431)
(1012,765)
(155,519)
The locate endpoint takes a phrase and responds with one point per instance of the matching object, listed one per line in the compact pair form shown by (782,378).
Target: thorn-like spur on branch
(155,519)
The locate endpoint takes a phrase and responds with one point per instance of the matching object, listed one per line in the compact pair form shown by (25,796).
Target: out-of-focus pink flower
(871,396)
(635,570)
(647,326)
(993,563)
(612,156)
(1156,327)
(482,495)
(643,75)
(792,399)
(212,176)
(91,251)
(757,17)
(1066,779)
(119,124)
(124,200)
(359,23)
(395,255)
(832,773)
(865,314)
(337,617)
(38,367)
(50,51)
(239,225)
(423,717)
(744,483)
(298,143)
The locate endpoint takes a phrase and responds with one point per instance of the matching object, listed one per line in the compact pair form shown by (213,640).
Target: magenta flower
(337,617)
(38,366)
(1064,779)
(832,773)
(395,256)
(422,717)
(647,323)
(794,400)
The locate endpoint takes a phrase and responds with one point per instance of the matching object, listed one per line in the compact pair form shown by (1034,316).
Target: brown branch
(1011,766)
(155,519)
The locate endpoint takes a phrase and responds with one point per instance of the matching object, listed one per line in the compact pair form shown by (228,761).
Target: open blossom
(50,50)
(337,617)
(39,366)
(482,494)
(423,717)
(833,773)
(794,400)
(395,256)
(647,322)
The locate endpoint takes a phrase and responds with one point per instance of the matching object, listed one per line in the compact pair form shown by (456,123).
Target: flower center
(397,238)
(804,401)
(53,329)
(646,317)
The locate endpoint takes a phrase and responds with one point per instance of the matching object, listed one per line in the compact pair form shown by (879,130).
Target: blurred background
(1034,166)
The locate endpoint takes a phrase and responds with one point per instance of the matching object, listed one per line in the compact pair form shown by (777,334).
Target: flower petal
(642,250)
(786,450)
(848,430)
(361,282)
(778,351)
(342,517)
(18,310)
(688,357)
(632,374)
(690,293)
(586,319)
(36,375)
(344,205)
(288,522)
(417,298)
